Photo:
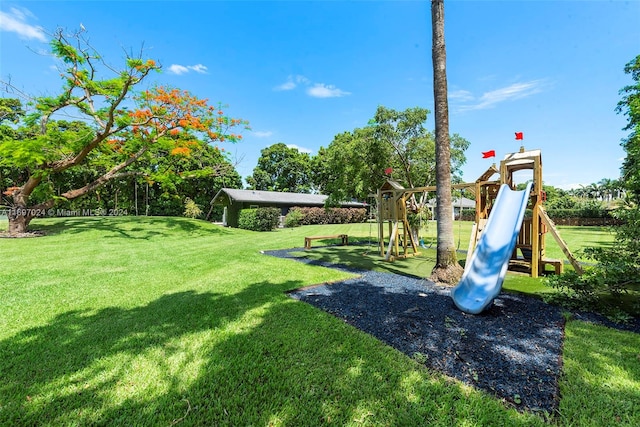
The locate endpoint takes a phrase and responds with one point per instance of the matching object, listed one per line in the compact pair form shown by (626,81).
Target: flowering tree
(116,127)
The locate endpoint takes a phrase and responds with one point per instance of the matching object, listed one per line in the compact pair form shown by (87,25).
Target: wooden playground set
(393,201)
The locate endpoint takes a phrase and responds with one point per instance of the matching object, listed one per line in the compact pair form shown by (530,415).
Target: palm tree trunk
(447,269)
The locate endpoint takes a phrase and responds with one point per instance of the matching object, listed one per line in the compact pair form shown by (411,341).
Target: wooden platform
(556,263)
(343,237)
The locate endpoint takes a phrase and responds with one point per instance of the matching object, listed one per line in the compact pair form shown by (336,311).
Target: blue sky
(302,72)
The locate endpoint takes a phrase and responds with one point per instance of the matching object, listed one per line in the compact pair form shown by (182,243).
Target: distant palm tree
(447,269)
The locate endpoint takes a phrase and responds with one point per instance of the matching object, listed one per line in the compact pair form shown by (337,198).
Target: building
(235,200)
(458,205)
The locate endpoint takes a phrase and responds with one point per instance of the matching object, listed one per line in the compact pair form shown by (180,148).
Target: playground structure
(392,200)
(487,265)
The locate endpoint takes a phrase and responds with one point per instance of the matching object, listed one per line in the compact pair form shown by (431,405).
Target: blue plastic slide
(484,271)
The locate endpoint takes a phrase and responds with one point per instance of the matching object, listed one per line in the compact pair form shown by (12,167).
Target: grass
(577,238)
(160,321)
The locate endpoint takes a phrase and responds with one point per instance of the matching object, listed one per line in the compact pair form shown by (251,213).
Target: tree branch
(114,173)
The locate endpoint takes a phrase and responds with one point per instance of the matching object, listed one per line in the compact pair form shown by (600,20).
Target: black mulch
(512,350)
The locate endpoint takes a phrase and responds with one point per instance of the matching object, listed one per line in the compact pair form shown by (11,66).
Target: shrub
(191,209)
(293,218)
(614,274)
(584,209)
(331,215)
(260,219)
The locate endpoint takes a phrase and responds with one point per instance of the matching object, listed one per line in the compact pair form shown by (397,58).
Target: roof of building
(456,203)
(279,198)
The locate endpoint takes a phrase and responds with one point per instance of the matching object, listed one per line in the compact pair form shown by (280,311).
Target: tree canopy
(629,105)
(117,128)
(395,144)
(281,168)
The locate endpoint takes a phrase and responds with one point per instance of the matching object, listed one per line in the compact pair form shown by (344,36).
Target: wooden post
(537,237)
(563,245)
(393,239)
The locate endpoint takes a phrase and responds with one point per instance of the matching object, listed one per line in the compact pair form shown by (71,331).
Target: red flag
(487,154)
(519,135)
(388,171)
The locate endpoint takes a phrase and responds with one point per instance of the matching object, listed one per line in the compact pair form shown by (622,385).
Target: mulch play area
(512,350)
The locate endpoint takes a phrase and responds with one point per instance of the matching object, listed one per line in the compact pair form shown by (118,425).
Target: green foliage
(293,218)
(614,274)
(584,212)
(419,218)
(310,215)
(191,209)
(353,165)
(10,110)
(281,168)
(629,105)
(259,219)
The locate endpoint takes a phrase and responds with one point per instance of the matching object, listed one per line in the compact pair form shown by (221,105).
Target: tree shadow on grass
(512,350)
(141,227)
(359,258)
(73,364)
(255,357)
(302,367)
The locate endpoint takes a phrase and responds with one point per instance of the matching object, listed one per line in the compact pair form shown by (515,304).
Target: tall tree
(351,167)
(629,105)
(281,168)
(447,269)
(395,144)
(125,126)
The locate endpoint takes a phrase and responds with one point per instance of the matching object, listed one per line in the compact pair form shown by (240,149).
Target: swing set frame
(392,201)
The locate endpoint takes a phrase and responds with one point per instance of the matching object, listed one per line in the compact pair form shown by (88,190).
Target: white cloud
(461,95)
(178,69)
(15,21)
(183,69)
(316,90)
(289,85)
(300,149)
(262,134)
(198,68)
(320,90)
(292,82)
(492,98)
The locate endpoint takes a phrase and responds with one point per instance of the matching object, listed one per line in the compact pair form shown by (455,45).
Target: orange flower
(180,151)
(10,191)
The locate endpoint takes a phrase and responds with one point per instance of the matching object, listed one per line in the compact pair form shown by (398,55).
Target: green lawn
(163,321)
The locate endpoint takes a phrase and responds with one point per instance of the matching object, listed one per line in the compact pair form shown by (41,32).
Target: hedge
(259,219)
(308,216)
(584,216)
(578,213)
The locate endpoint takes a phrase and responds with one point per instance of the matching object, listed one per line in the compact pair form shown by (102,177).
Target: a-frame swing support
(392,207)
(392,202)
